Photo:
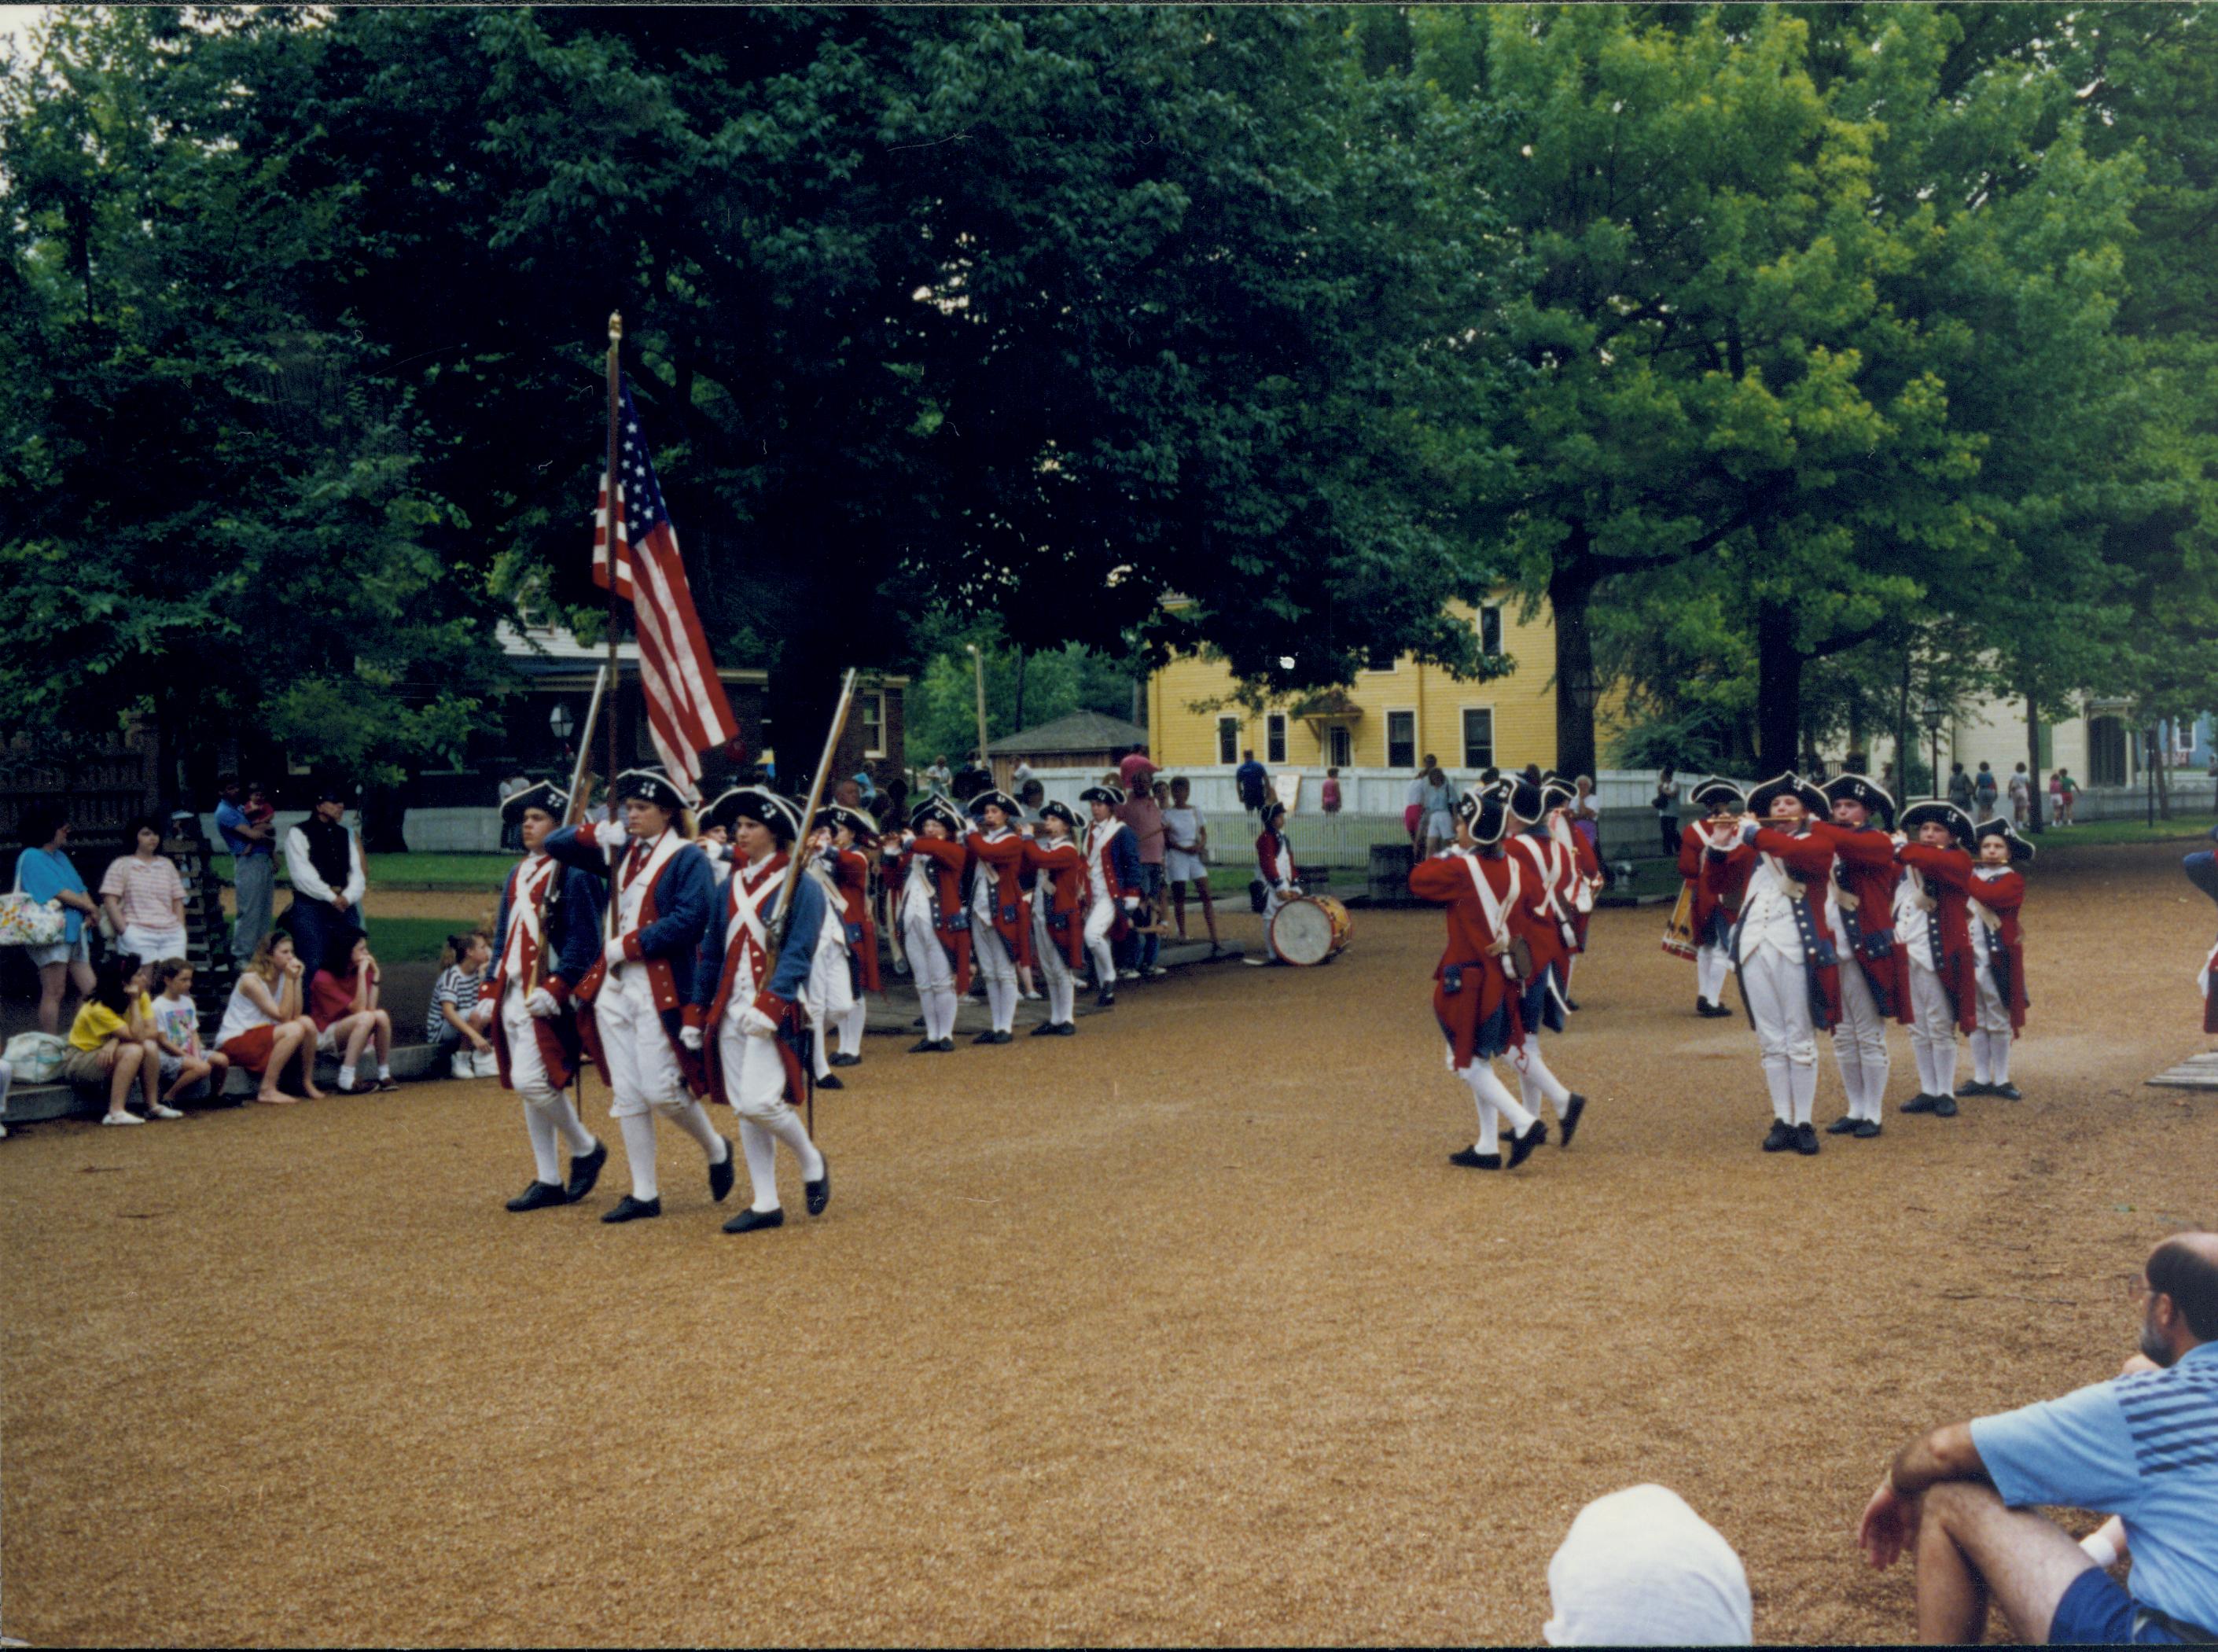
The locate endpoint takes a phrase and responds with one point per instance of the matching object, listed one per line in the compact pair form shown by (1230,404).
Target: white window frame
(1227,723)
(1337,735)
(1274,737)
(1392,712)
(1495,609)
(1463,729)
(879,749)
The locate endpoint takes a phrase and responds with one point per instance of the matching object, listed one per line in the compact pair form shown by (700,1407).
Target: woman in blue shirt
(44,873)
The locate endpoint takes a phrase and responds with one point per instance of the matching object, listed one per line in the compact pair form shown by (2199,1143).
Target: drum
(1310,929)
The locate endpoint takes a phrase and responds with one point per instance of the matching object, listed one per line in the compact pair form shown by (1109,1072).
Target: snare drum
(1310,929)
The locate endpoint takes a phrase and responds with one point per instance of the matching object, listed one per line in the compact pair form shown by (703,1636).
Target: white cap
(1639,1568)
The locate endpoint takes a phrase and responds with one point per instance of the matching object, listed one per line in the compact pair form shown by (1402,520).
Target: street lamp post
(978,669)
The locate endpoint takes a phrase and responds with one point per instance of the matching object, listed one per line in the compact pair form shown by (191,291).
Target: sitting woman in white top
(263,1027)
(145,898)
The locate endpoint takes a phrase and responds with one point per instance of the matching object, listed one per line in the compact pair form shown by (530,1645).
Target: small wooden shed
(1084,740)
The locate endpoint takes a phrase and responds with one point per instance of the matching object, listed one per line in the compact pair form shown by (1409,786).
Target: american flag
(686,711)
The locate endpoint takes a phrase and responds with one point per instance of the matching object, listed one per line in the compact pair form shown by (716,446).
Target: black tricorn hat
(1273,807)
(1109,795)
(1861,789)
(1998,827)
(1759,800)
(1525,798)
(1055,808)
(1716,790)
(651,786)
(939,809)
(757,803)
(543,796)
(993,795)
(1947,814)
(1485,812)
(839,814)
(1556,791)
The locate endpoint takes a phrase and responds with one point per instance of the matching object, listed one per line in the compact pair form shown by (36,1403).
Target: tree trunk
(2163,772)
(1570,599)
(804,690)
(1778,688)
(1902,731)
(2033,764)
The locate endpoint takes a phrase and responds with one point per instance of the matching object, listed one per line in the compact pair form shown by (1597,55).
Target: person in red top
(1784,948)
(1997,893)
(1874,985)
(1475,986)
(1580,869)
(1000,911)
(935,930)
(1715,887)
(345,1011)
(1935,929)
(845,837)
(1274,866)
(1059,902)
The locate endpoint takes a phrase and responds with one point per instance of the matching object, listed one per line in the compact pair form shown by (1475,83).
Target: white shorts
(1183,866)
(327,1041)
(77,951)
(153,945)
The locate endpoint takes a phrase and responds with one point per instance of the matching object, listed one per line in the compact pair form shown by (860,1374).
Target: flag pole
(782,916)
(615,665)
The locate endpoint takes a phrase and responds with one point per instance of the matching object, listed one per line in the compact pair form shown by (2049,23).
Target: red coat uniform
(760,887)
(1864,873)
(1719,884)
(1065,863)
(1275,858)
(2003,893)
(1947,875)
(850,870)
(1474,999)
(947,859)
(1809,857)
(1013,908)
(1580,863)
(1539,916)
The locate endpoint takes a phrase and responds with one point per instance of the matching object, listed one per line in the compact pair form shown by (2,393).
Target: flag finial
(616,325)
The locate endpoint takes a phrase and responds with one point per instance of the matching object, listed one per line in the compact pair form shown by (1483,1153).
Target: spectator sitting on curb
(192,1073)
(263,1028)
(460,1014)
(105,1046)
(45,872)
(344,1008)
(2143,1446)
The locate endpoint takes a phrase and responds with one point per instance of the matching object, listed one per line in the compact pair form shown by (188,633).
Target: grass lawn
(2183,827)
(475,873)
(409,940)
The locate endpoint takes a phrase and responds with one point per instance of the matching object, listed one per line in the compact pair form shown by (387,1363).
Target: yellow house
(1383,720)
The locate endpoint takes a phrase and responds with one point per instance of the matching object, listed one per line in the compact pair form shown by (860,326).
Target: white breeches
(1001,973)
(642,1066)
(931,969)
(1054,968)
(1860,1044)
(527,1068)
(1271,902)
(1991,1042)
(1994,1014)
(754,1082)
(851,1025)
(1101,918)
(1932,1032)
(1778,994)
(1710,966)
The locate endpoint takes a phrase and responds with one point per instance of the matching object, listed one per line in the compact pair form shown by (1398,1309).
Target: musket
(782,918)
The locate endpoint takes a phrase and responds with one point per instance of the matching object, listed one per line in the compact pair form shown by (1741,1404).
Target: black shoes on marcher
(540,1196)
(631,1209)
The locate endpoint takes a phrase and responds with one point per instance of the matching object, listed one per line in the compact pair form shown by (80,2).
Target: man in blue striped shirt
(2143,1447)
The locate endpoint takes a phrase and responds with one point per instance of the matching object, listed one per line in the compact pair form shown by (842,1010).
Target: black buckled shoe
(923,1047)
(1867,1129)
(1708,1011)
(585,1171)
(747,1221)
(1570,1122)
(944,1047)
(1046,1030)
(1107,999)
(1944,1106)
(631,1209)
(1473,1158)
(538,1197)
(1845,1125)
(1063,1029)
(1520,1146)
(1781,1137)
(830,1082)
(1976,1087)
(846,1060)
(2005,1091)
(1806,1140)
(720,1175)
(1920,1102)
(818,1193)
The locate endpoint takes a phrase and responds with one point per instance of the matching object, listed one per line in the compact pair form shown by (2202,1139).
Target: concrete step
(30,1104)
(2196,1073)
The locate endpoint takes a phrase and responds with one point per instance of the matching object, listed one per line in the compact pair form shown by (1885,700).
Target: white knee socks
(694,1120)
(759,1139)
(639,1148)
(546,1162)
(850,1029)
(939,1006)
(1534,1080)
(1062,998)
(1104,960)
(1781,1086)
(564,1116)
(1495,1103)
(1991,1057)
(1802,1087)
(1001,1000)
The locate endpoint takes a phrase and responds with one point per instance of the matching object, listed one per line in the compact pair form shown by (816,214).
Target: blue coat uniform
(570,922)
(672,918)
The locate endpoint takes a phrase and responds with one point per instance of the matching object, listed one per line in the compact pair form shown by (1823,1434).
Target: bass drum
(1310,929)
